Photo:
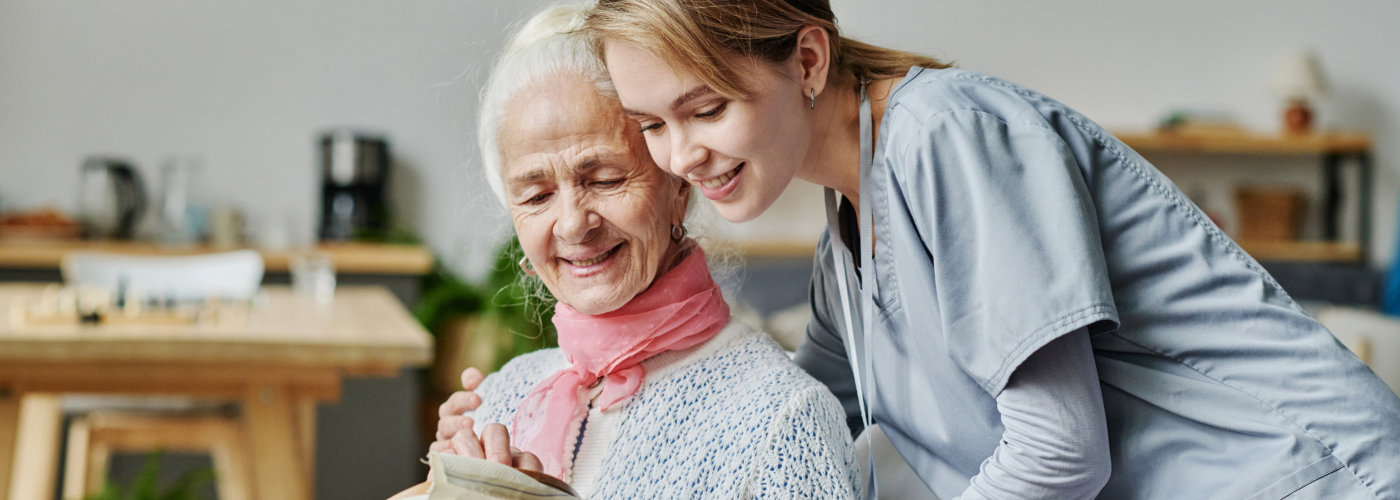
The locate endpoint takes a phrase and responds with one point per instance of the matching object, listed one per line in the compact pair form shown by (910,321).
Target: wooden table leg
(269,412)
(306,427)
(9,428)
(40,432)
(75,464)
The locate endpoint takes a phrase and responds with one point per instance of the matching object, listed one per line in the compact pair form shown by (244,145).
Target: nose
(577,218)
(686,154)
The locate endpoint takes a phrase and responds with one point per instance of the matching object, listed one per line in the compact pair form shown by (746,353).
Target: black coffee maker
(112,198)
(354,178)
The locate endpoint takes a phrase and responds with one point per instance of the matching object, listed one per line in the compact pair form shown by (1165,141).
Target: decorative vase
(1297,117)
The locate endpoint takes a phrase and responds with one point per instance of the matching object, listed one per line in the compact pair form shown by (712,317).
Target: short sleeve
(1003,210)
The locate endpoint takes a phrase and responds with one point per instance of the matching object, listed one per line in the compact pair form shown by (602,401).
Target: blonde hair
(701,35)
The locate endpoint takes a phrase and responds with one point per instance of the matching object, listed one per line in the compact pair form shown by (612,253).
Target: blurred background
(347,127)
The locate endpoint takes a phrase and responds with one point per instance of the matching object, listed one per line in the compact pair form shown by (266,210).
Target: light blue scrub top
(1003,220)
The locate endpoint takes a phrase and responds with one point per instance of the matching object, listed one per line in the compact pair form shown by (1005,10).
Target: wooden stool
(92,439)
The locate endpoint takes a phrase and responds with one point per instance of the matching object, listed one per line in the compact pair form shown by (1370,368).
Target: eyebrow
(699,91)
(537,174)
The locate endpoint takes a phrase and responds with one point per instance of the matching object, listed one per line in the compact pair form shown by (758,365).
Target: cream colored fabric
(464,478)
(898,481)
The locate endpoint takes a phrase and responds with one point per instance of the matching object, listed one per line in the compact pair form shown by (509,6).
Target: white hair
(550,44)
(547,46)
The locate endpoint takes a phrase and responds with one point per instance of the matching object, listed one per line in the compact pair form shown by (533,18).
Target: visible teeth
(589,262)
(718,181)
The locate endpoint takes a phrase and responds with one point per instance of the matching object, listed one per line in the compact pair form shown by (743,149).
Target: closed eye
(652,128)
(537,199)
(713,112)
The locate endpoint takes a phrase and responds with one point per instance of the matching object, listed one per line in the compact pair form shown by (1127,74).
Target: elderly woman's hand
(450,418)
(494,445)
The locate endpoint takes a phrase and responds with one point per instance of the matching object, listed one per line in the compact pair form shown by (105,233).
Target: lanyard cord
(849,338)
(859,358)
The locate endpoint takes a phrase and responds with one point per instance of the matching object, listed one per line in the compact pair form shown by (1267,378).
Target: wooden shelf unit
(1333,147)
(1302,251)
(1247,143)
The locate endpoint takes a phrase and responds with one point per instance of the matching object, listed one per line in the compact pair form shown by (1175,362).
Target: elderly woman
(654,392)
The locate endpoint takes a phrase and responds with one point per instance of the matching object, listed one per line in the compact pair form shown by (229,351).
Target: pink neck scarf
(681,309)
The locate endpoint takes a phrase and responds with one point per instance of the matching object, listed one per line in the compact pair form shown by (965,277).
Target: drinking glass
(313,276)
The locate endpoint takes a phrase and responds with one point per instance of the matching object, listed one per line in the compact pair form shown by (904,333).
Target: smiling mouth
(594,260)
(716,182)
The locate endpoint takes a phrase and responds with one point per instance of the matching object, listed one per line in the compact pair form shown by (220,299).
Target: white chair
(108,424)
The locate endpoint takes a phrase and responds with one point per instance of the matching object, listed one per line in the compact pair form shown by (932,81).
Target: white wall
(1128,63)
(246,85)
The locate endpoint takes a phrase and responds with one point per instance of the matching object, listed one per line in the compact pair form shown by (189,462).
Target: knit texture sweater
(730,418)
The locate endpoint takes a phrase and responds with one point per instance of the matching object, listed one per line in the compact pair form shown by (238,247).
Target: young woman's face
(592,212)
(741,154)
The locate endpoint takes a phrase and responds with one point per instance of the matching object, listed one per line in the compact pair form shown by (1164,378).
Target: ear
(812,57)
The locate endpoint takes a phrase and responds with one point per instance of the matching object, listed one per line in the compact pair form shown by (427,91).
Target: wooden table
(356,258)
(289,354)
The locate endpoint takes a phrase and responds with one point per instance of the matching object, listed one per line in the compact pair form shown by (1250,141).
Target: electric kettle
(112,198)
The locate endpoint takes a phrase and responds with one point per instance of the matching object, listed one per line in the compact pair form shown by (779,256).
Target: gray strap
(859,358)
(842,254)
(868,277)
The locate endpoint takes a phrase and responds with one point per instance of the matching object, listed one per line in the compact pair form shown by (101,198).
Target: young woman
(1024,304)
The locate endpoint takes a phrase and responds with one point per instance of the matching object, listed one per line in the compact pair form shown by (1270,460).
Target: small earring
(525,266)
(677,232)
(812,97)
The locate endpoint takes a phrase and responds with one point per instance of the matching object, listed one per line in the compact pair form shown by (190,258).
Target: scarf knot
(681,309)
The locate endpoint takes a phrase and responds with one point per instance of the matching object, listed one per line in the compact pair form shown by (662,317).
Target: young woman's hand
(455,434)
(450,418)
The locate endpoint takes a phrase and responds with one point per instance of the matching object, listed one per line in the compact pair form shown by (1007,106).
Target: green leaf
(187,486)
(510,310)
(108,492)
(145,486)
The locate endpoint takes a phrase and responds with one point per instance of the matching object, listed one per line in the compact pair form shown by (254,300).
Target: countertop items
(41,224)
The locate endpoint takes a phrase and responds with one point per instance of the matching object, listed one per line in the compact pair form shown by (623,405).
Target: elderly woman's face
(592,211)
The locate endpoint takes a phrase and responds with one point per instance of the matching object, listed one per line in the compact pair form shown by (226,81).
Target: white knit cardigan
(730,418)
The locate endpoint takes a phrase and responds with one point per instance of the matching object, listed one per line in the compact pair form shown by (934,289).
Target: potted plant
(144,486)
(482,325)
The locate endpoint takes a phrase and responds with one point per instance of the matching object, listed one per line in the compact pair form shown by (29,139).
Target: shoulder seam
(775,426)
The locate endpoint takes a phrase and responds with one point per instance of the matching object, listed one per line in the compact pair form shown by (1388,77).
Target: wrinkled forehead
(566,122)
